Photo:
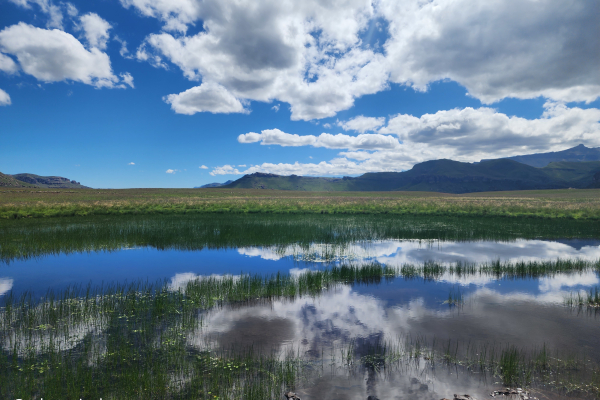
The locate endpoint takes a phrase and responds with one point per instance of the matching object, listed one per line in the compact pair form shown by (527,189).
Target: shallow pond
(468,311)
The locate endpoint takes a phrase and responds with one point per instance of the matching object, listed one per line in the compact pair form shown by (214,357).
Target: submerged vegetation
(22,239)
(500,269)
(23,203)
(455,297)
(148,340)
(513,366)
(590,299)
(136,341)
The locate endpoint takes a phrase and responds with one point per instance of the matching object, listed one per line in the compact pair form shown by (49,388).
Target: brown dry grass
(548,203)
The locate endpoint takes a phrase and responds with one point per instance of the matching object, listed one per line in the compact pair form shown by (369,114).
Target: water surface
(495,310)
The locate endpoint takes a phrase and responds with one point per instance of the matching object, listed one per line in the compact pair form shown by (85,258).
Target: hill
(445,176)
(579,174)
(9,181)
(212,185)
(575,154)
(260,180)
(56,182)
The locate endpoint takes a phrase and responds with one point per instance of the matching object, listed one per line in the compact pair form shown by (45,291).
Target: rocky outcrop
(9,182)
(54,182)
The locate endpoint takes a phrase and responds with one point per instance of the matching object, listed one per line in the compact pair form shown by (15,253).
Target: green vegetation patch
(569,204)
(23,239)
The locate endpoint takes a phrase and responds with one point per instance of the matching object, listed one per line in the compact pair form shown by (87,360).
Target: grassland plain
(129,341)
(27,203)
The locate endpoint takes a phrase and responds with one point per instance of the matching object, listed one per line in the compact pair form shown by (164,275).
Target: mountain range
(213,185)
(577,153)
(577,167)
(563,170)
(37,181)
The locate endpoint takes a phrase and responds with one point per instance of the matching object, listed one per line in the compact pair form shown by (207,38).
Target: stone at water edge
(523,394)
(291,396)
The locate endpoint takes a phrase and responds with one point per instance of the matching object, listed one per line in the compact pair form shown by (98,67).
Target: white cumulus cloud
(497,49)
(470,134)
(466,135)
(127,79)
(209,97)
(53,12)
(171,171)
(4,98)
(314,55)
(225,170)
(306,54)
(362,124)
(176,14)
(54,55)
(131,163)
(337,166)
(95,30)
(339,141)
(124,52)
(7,64)
(203,167)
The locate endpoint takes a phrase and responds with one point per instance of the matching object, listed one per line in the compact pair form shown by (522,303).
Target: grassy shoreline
(555,204)
(28,238)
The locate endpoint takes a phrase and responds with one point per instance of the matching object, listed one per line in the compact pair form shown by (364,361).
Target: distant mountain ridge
(37,181)
(213,185)
(445,176)
(577,154)
(11,182)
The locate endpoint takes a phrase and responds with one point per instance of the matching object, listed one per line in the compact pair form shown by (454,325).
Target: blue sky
(143,93)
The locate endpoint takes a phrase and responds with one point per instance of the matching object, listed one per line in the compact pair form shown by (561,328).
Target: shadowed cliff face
(11,182)
(578,153)
(57,182)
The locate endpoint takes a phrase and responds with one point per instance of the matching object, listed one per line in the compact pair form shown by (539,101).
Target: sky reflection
(343,314)
(399,252)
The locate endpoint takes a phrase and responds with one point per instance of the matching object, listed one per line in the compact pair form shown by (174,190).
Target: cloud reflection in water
(5,285)
(399,252)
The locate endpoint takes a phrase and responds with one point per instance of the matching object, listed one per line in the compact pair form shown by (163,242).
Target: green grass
(560,204)
(500,269)
(22,239)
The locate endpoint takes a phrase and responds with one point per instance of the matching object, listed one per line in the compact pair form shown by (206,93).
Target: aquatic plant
(590,299)
(130,341)
(23,239)
(455,297)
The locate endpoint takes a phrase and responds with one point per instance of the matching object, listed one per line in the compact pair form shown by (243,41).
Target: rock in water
(291,396)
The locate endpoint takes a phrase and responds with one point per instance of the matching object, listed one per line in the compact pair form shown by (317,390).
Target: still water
(129,264)
(495,310)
